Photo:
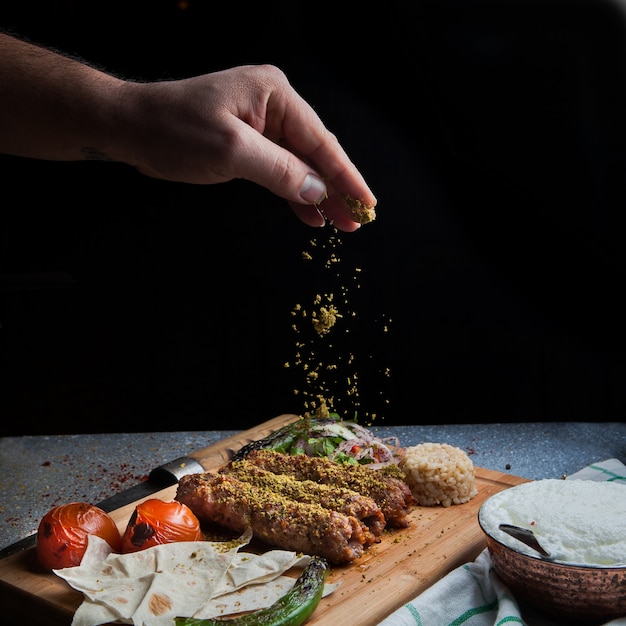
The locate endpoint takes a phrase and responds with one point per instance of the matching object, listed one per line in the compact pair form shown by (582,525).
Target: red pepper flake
(46,464)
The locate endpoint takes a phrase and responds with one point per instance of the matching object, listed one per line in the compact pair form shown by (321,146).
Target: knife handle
(217,454)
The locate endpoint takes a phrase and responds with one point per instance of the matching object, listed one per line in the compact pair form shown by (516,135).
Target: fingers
(287,176)
(273,137)
(306,136)
(264,162)
(309,214)
(331,212)
(326,182)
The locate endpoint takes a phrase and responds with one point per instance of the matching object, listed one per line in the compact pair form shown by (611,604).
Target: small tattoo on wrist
(95,155)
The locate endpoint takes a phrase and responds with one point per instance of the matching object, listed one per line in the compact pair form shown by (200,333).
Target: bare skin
(245,122)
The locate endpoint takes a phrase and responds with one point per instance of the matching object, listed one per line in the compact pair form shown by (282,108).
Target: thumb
(266,163)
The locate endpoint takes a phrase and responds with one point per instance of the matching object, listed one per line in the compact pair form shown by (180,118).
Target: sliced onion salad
(346,442)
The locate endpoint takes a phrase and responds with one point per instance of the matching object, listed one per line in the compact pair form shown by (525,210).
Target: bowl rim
(546,561)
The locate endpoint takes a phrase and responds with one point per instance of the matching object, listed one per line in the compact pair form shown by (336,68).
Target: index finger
(304,133)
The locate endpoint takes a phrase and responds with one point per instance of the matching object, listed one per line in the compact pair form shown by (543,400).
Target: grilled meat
(341,499)
(391,494)
(273,518)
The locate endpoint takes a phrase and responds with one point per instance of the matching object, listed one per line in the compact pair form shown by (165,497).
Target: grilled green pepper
(279,440)
(309,435)
(292,609)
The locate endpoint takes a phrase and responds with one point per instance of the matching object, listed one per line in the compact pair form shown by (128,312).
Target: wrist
(128,122)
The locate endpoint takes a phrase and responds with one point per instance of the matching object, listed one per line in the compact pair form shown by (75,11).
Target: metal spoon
(526,536)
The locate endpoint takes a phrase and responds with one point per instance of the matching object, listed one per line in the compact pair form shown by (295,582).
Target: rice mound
(439,473)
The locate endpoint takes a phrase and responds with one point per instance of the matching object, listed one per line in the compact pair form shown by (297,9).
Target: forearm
(54,107)
(245,122)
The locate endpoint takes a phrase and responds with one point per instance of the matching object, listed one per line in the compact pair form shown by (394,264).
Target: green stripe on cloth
(477,582)
(462,618)
(415,613)
(477,610)
(606,472)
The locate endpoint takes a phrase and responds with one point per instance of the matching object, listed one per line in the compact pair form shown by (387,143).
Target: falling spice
(324,319)
(326,353)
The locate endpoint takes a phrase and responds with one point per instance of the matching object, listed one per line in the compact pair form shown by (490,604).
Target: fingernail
(322,220)
(313,190)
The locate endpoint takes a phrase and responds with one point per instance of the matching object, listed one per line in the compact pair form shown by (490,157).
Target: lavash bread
(439,473)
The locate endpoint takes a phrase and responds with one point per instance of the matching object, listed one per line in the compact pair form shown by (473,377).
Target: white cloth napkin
(473,595)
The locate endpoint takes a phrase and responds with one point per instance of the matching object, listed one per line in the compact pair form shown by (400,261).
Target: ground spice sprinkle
(323,327)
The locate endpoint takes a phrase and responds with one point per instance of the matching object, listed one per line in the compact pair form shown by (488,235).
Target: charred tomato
(155,522)
(63,531)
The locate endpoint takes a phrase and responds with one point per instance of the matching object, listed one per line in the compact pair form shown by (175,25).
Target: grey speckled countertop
(39,472)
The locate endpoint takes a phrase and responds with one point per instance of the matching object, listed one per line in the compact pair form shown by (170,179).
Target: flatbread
(256,585)
(189,579)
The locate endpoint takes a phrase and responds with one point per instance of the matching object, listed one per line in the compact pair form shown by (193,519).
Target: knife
(210,458)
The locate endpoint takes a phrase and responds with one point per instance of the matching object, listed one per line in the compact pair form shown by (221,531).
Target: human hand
(245,122)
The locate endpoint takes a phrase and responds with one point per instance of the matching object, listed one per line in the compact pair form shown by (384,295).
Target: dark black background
(492,134)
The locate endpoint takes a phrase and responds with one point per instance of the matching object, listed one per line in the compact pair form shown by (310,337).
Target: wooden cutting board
(390,573)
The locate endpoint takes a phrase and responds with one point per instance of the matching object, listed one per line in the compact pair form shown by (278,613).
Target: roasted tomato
(63,531)
(155,522)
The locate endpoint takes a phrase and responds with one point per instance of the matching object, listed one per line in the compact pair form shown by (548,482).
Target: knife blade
(163,476)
